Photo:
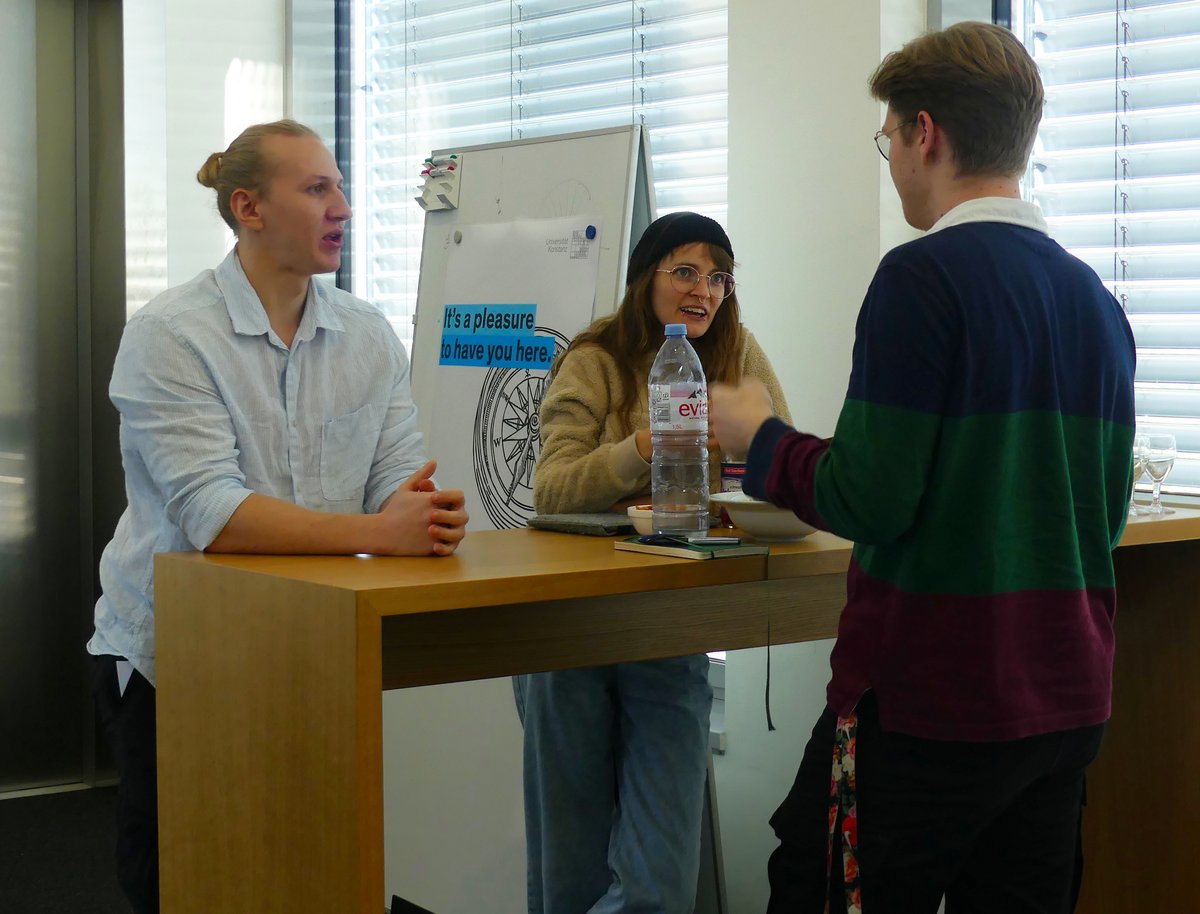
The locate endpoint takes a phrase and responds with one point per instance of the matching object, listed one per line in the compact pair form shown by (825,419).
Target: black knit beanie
(668,232)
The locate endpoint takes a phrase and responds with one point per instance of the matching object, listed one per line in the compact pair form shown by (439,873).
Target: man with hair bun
(981,465)
(261,412)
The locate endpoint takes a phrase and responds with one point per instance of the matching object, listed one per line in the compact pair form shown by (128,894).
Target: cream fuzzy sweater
(587,462)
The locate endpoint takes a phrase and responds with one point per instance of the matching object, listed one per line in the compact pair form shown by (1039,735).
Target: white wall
(221,78)
(454,823)
(943,13)
(197,74)
(811,209)
(806,182)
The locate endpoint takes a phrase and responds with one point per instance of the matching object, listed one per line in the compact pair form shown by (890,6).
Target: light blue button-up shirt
(214,406)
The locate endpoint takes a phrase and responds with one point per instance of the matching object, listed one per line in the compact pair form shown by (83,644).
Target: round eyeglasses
(684,279)
(883,139)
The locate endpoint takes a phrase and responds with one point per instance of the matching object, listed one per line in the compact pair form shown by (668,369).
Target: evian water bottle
(679,437)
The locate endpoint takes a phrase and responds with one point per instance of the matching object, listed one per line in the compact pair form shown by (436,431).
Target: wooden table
(1142,822)
(271,671)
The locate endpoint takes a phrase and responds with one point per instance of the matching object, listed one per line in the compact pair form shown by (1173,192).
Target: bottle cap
(676,329)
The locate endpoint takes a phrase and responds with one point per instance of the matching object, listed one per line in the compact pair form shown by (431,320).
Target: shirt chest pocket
(347,450)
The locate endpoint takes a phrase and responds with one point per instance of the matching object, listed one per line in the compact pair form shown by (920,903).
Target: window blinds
(465,72)
(1116,170)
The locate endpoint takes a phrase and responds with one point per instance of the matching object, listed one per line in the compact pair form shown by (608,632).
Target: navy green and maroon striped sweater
(981,465)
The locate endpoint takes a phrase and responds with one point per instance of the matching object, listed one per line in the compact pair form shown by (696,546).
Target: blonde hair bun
(207,175)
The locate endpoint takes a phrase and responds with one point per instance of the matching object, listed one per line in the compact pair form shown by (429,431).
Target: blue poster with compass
(515,294)
(506,442)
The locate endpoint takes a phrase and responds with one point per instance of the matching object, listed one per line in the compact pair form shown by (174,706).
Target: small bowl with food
(642,517)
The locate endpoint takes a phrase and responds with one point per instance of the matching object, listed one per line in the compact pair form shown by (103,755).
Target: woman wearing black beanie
(616,756)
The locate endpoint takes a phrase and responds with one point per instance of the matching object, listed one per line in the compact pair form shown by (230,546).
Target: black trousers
(128,722)
(994,827)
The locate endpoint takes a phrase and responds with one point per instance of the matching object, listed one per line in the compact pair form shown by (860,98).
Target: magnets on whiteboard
(457,237)
(591,232)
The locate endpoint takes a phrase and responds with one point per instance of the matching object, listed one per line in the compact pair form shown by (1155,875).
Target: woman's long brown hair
(633,335)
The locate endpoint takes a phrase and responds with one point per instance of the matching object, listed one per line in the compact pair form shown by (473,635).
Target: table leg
(270,745)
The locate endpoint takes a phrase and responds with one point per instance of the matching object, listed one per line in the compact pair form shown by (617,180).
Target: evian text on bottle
(687,405)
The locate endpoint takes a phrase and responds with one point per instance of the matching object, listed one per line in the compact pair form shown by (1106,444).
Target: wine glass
(1141,443)
(1160,457)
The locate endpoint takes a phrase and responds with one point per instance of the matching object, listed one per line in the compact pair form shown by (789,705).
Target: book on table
(679,547)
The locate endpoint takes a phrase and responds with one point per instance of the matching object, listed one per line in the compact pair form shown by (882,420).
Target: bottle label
(732,474)
(687,406)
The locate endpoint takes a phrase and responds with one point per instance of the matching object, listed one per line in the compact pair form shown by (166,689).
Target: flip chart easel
(478,412)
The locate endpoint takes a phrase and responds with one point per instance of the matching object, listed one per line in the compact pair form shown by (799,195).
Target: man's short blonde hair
(979,85)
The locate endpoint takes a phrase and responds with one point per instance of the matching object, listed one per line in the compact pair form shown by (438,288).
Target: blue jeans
(615,766)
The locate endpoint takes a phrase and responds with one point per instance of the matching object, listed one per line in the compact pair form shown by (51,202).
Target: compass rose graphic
(506,441)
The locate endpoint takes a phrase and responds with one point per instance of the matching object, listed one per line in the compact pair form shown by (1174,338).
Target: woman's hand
(644,448)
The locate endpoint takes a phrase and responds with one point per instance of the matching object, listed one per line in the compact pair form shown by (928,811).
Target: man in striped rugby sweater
(981,465)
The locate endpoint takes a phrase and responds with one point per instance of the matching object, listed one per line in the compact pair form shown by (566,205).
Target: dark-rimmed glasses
(883,139)
(684,279)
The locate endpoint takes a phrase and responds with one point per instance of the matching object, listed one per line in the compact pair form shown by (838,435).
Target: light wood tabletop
(1183,523)
(497,566)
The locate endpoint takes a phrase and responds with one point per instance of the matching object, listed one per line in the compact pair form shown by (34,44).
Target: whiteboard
(603,178)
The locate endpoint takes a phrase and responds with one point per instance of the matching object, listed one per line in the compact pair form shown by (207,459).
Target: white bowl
(642,517)
(761,519)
